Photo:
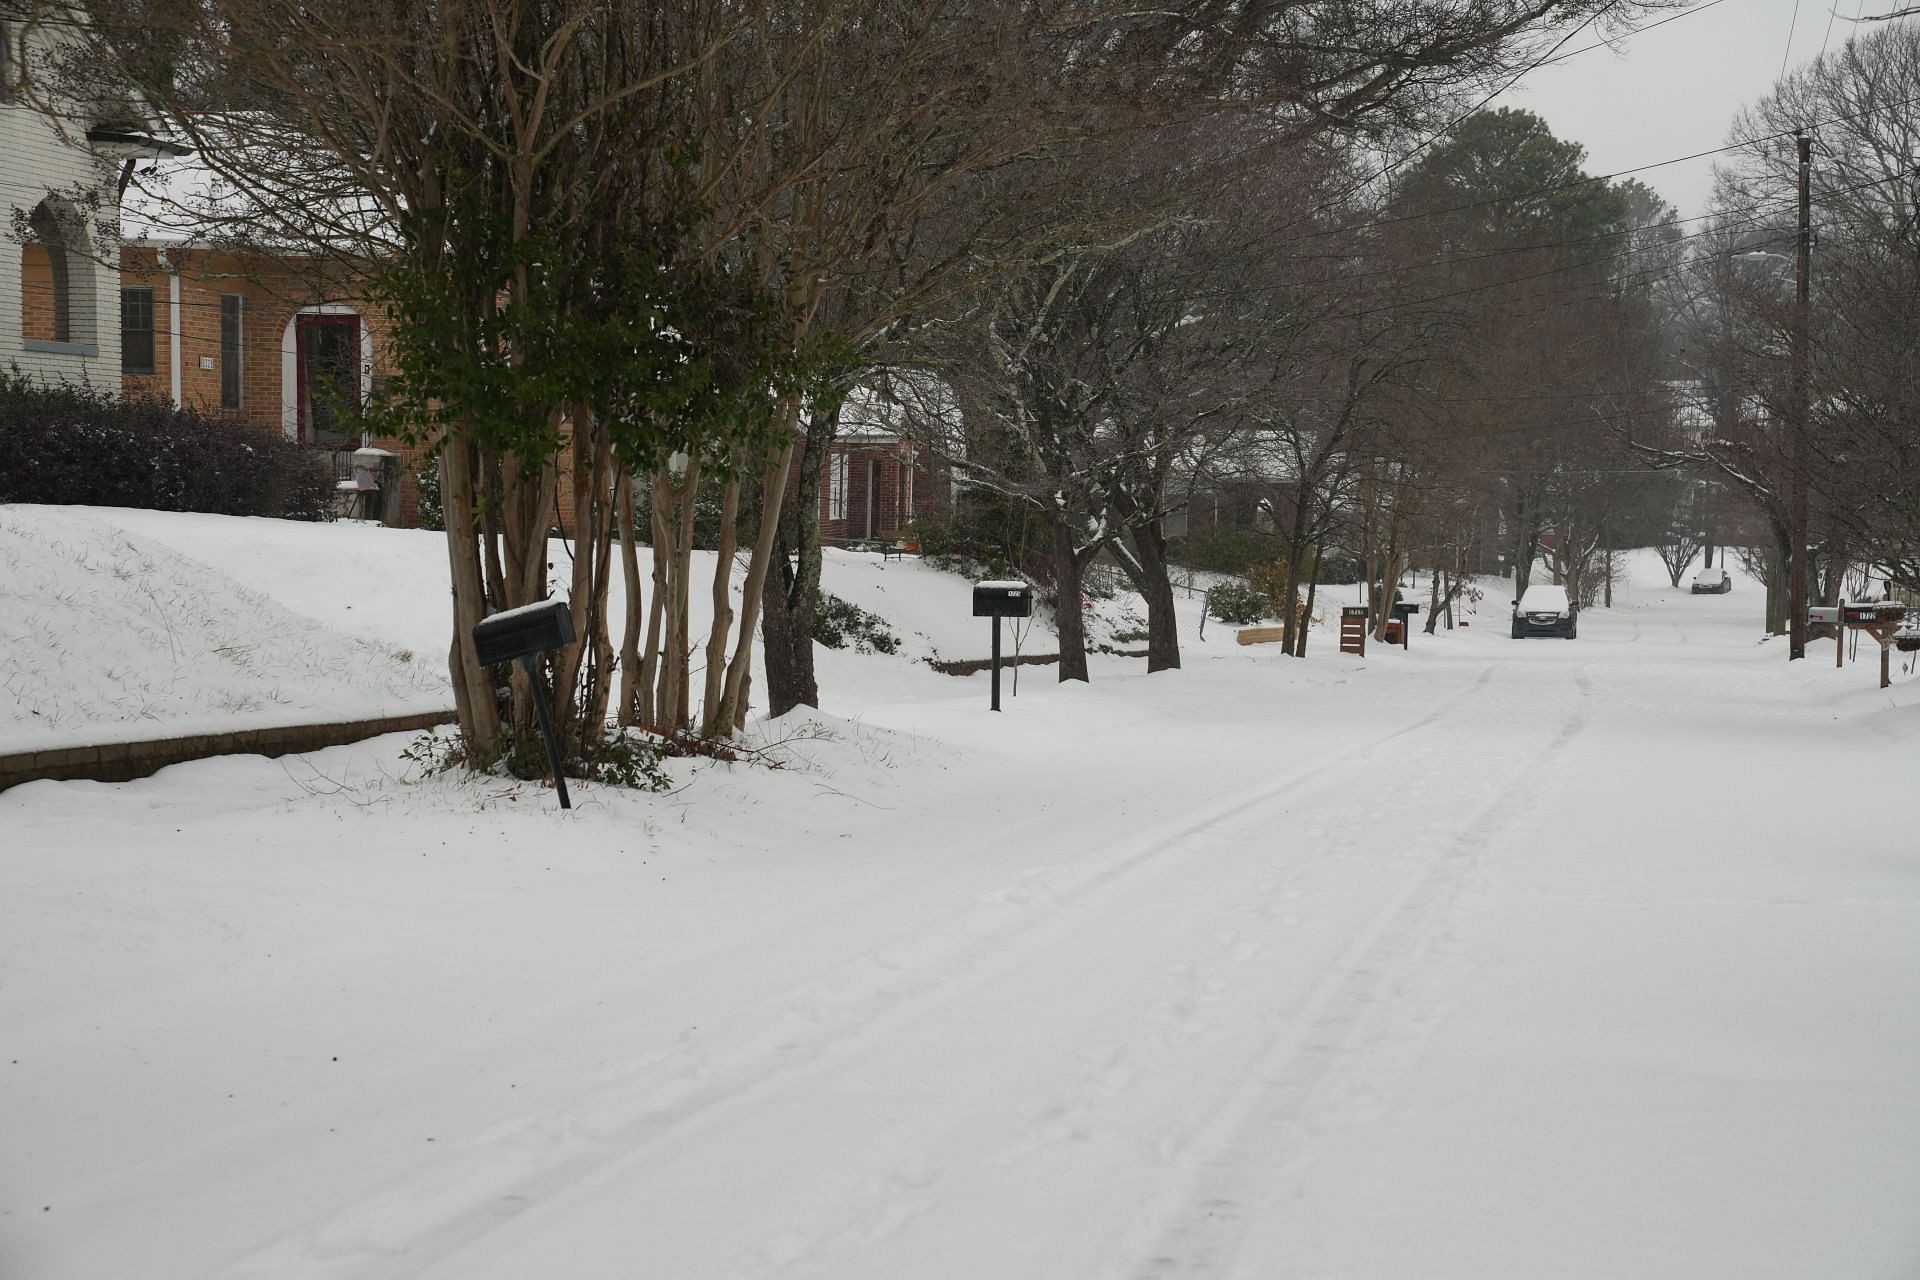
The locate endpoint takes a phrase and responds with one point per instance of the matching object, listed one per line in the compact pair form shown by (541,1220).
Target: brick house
(279,342)
(875,484)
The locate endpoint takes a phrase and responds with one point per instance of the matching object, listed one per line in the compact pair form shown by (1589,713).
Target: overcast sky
(1673,90)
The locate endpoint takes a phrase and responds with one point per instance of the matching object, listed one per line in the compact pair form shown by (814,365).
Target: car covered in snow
(1545,610)
(1712,582)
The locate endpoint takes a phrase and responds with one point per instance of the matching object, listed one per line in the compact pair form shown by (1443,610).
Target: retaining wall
(125,761)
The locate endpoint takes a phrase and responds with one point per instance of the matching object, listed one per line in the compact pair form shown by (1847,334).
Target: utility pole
(1801,450)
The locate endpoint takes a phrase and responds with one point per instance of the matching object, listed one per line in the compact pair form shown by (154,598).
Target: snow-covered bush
(838,623)
(77,446)
(1238,604)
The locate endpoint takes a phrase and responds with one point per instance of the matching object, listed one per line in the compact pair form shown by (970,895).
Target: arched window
(56,278)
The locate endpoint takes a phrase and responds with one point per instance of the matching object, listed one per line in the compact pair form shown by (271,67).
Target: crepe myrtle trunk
(793,592)
(1068,620)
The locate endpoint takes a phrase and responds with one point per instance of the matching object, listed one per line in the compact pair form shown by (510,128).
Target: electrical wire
(1476,108)
(1570,184)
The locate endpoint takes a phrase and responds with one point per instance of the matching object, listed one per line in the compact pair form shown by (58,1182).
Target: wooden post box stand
(1880,621)
(1353,629)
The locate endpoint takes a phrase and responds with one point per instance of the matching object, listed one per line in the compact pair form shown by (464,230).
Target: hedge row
(76,446)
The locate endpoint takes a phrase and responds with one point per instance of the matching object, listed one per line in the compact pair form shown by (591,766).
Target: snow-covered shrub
(76,446)
(631,758)
(838,623)
(1238,604)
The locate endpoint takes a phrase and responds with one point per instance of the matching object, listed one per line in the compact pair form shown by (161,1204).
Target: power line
(1748,218)
(1608,44)
(1606,290)
(1551,57)
(1647,276)
(1431,138)
(1603,177)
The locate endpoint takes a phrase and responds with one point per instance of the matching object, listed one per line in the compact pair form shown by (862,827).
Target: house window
(56,280)
(837,487)
(46,281)
(231,356)
(136,331)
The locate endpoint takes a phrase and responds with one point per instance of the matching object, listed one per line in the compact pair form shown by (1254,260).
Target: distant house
(60,179)
(877,479)
(876,486)
(1218,504)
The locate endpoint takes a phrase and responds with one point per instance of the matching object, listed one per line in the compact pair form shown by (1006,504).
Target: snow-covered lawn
(1433,964)
(107,634)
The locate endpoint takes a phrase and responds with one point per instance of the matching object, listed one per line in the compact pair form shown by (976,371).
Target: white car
(1545,611)
(1712,582)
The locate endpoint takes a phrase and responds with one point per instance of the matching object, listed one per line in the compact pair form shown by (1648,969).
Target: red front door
(328,376)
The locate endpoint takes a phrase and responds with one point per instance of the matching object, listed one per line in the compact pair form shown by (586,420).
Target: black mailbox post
(997,600)
(1403,611)
(521,635)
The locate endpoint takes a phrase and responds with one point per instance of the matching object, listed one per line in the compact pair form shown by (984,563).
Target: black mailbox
(1009,599)
(523,632)
(520,635)
(1002,600)
(1405,609)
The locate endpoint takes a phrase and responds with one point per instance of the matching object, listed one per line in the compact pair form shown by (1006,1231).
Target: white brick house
(59,221)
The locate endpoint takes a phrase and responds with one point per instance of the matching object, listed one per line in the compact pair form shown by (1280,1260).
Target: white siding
(36,161)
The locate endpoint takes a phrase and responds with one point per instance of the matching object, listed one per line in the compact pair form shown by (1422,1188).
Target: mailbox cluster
(1880,619)
(1354,619)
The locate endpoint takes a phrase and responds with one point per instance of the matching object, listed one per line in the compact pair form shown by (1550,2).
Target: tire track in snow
(474,1188)
(1339,1021)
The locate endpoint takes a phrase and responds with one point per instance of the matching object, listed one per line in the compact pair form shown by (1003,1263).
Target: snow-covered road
(1493,959)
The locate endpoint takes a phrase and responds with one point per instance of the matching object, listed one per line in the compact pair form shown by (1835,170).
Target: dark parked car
(1545,611)
(1712,582)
